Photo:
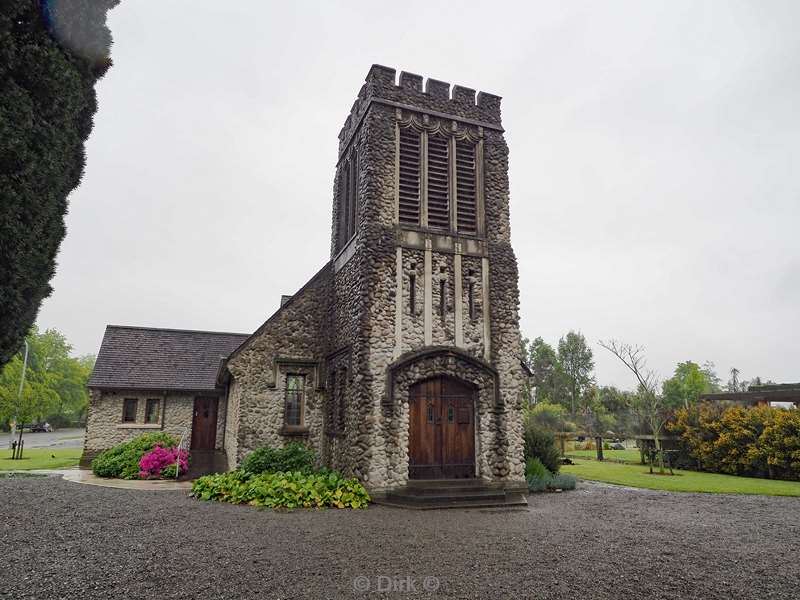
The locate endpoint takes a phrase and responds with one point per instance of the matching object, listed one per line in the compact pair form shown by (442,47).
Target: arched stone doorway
(441,429)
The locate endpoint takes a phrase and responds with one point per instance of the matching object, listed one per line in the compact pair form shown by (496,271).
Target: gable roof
(161,359)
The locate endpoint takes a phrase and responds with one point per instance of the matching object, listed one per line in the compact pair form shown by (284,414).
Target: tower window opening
(412,293)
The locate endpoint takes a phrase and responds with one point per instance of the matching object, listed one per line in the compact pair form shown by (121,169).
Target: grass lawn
(40,458)
(630,455)
(682,481)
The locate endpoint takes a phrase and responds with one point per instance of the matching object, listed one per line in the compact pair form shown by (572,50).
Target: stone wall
(231,439)
(291,341)
(472,274)
(412,327)
(105,428)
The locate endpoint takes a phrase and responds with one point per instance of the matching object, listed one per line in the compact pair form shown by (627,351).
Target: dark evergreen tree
(52,52)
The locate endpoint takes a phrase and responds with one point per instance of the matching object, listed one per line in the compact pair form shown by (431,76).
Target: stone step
(455,493)
(445,498)
(445,483)
(449,489)
(513,501)
(461,505)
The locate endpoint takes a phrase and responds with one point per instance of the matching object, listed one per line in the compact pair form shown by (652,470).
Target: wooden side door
(204,423)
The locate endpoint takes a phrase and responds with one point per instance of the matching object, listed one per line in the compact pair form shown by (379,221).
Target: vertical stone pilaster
(398,303)
(458,304)
(428,294)
(487,331)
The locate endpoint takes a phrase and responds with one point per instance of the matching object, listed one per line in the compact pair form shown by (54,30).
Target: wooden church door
(441,442)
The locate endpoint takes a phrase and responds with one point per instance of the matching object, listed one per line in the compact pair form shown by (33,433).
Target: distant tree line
(562,394)
(55,382)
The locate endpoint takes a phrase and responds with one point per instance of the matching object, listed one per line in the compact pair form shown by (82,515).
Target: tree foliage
(549,416)
(541,443)
(55,382)
(577,362)
(547,380)
(52,52)
(690,380)
(759,441)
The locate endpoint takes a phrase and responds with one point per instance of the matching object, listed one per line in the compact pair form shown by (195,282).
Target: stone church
(399,359)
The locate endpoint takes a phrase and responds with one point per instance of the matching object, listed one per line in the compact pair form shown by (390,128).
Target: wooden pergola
(759,395)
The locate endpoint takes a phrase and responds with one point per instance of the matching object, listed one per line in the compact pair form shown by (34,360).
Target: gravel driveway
(66,540)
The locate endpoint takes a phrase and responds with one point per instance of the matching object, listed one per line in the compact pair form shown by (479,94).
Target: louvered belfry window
(409,184)
(438,182)
(466,188)
(353,200)
(438,171)
(344,193)
(348,199)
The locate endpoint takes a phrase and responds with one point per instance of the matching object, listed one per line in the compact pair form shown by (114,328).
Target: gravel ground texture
(66,540)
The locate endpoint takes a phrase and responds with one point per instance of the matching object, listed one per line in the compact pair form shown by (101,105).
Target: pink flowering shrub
(160,462)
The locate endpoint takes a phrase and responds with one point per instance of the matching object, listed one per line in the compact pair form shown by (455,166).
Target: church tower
(423,374)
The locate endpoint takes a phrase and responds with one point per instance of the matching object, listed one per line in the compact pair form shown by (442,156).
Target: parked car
(44,427)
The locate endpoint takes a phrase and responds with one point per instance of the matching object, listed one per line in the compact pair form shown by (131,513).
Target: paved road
(66,540)
(62,438)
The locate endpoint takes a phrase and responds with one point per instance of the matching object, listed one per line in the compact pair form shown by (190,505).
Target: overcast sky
(655,172)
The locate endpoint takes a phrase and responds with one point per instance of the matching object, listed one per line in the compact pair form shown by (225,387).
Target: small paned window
(152,410)
(129,409)
(295,392)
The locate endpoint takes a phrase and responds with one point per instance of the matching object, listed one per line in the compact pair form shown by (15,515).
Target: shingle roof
(156,359)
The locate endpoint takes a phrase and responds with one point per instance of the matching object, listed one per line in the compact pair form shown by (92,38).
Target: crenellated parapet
(414,92)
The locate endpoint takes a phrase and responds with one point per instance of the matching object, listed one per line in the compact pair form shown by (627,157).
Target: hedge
(758,441)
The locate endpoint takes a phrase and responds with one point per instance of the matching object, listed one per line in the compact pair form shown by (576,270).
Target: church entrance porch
(441,429)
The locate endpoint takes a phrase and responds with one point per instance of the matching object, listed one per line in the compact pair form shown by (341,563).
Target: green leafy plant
(541,444)
(122,461)
(537,475)
(562,481)
(759,441)
(292,457)
(282,490)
